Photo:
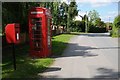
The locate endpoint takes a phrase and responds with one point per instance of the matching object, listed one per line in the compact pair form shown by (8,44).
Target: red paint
(40,32)
(12,33)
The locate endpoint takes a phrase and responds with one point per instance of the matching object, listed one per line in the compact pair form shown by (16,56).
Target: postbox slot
(17,36)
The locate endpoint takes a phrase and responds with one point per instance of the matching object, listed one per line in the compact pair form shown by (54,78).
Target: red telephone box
(12,33)
(40,32)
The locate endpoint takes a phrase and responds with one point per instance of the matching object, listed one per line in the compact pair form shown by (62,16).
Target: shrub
(116,27)
(93,29)
(77,26)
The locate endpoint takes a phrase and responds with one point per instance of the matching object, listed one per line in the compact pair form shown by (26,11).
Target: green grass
(59,43)
(28,67)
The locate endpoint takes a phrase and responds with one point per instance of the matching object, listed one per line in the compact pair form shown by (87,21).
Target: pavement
(93,55)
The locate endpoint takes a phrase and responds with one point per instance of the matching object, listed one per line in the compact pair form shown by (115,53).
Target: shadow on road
(107,73)
(84,51)
(73,49)
(50,69)
(76,50)
(103,74)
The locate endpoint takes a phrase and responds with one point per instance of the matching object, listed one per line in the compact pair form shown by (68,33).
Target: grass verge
(28,67)
(59,43)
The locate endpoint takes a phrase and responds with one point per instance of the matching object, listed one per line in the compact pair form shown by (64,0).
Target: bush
(116,27)
(117,22)
(93,29)
(115,32)
(77,26)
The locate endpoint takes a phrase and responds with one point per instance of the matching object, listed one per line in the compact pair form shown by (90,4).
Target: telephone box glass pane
(34,20)
(36,33)
(38,25)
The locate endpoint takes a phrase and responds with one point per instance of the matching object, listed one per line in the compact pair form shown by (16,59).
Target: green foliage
(55,13)
(94,15)
(115,32)
(77,26)
(26,66)
(17,13)
(99,23)
(93,29)
(116,27)
(72,12)
(95,24)
(59,43)
(117,22)
(63,13)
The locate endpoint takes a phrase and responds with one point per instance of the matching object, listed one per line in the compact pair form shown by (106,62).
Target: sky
(107,9)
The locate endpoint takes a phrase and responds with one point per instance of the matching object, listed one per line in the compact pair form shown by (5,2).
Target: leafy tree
(56,13)
(116,27)
(117,22)
(72,12)
(94,15)
(63,13)
(17,13)
(102,24)
(99,23)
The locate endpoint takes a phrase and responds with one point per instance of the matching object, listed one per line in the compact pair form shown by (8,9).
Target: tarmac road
(93,55)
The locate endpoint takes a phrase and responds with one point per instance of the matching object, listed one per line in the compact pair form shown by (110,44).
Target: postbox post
(14,57)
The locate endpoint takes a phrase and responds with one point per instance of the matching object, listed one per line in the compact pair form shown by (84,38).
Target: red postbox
(12,33)
(13,37)
(40,32)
